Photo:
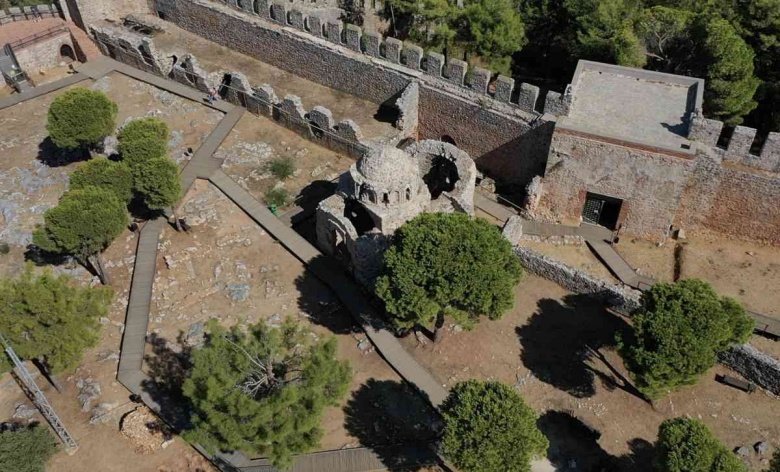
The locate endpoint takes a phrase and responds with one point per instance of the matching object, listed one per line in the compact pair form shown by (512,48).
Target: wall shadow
(561,342)
(321,305)
(395,421)
(574,446)
(167,369)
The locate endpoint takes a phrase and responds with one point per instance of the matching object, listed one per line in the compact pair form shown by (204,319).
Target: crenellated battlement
(734,146)
(33,12)
(410,56)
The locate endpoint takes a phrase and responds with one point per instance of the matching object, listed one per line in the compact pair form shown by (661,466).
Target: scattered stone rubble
(145,431)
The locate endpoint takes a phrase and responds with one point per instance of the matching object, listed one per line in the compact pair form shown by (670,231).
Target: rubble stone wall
(756,366)
(624,300)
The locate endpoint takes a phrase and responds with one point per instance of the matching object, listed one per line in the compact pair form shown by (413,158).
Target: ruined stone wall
(649,183)
(43,54)
(756,366)
(623,300)
(731,199)
(505,135)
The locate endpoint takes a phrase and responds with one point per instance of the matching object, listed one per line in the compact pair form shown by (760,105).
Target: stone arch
(67,53)
(240,3)
(256,7)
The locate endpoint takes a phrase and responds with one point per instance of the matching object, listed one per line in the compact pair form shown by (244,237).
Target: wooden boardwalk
(41,90)
(330,272)
(607,254)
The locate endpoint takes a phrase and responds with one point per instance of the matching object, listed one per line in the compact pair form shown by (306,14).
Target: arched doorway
(67,54)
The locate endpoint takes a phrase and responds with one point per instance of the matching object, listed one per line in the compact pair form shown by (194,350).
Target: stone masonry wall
(623,300)
(649,183)
(93,11)
(756,366)
(505,140)
(731,199)
(761,369)
(44,54)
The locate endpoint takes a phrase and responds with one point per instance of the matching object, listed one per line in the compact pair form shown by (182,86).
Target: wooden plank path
(332,274)
(131,358)
(607,254)
(41,90)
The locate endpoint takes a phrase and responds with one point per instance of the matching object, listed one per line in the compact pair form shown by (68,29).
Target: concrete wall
(43,54)
(649,183)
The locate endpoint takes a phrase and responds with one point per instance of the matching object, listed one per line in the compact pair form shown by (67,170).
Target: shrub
(157,182)
(278,197)
(4,248)
(282,167)
(142,140)
(81,118)
(489,428)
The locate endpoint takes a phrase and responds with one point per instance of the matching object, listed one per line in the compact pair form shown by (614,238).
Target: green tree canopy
(448,263)
(606,31)
(489,428)
(51,318)
(142,140)
(728,60)
(157,182)
(264,391)
(687,445)
(430,22)
(494,30)
(83,224)
(26,449)
(81,118)
(102,172)
(678,333)
(774,465)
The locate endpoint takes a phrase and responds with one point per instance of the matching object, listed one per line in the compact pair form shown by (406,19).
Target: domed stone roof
(388,168)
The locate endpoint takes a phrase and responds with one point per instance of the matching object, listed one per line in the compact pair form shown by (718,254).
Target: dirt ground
(228,268)
(219,60)
(747,271)
(543,348)
(256,141)
(29,185)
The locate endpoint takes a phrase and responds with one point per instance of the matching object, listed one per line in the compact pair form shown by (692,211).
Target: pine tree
(26,449)
(489,428)
(448,264)
(81,118)
(83,224)
(263,392)
(50,318)
(106,174)
(142,140)
(687,445)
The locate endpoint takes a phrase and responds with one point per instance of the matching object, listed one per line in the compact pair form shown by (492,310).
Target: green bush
(277,197)
(282,167)
(678,333)
(489,428)
(81,118)
(26,449)
(687,445)
(157,182)
(142,140)
(101,172)
(4,248)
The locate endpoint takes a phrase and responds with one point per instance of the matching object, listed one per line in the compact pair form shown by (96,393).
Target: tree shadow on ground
(52,156)
(386,415)
(562,341)
(574,446)
(167,368)
(41,258)
(324,307)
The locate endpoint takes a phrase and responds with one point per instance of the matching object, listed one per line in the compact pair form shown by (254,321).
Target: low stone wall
(759,368)
(623,300)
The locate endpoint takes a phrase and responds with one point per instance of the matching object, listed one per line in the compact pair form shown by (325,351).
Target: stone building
(386,188)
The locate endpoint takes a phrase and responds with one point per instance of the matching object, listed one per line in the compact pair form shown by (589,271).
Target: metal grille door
(591,212)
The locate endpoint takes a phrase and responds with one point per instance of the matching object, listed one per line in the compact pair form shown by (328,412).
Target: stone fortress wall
(29,13)
(724,189)
(506,135)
